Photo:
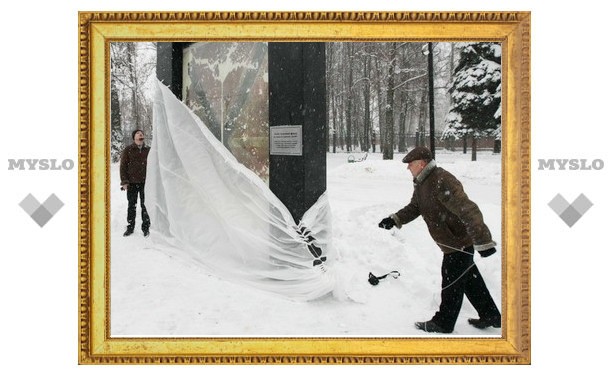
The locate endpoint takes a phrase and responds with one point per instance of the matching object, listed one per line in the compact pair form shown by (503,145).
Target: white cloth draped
(206,206)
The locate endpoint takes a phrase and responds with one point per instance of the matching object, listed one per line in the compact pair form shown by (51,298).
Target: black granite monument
(297,116)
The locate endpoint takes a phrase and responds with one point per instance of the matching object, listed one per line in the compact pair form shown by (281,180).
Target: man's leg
(456,267)
(478,294)
(132,197)
(146,221)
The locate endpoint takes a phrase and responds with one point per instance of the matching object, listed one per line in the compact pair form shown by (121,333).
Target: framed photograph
(287,216)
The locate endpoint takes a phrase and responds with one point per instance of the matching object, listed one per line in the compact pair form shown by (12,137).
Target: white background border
(570,266)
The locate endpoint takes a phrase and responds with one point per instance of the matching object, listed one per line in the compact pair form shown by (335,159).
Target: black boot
(484,323)
(430,326)
(129,231)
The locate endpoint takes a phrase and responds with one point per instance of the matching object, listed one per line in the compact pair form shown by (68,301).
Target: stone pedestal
(169,67)
(297,97)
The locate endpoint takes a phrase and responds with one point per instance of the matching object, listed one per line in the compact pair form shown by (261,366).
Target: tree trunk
(381,105)
(431,99)
(349,97)
(422,119)
(342,128)
(357,135)
(474,147)
(389,140)
(367,124)
(328,89)
(116,129)
(401,143)
(334,140)
(334,124)
(451,65)
(131,47)
(373,142)
(497,146)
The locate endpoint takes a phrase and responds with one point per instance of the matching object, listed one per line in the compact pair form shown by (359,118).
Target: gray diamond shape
(53,204)
(41,216)
(41,213)
(582,204)
(570,213)
(570,216)
(29,204)
(558,204)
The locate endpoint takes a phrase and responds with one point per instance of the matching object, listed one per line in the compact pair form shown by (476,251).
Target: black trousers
(133,192)
(461,276)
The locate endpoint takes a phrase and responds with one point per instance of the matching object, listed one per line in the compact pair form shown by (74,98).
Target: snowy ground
(154,293)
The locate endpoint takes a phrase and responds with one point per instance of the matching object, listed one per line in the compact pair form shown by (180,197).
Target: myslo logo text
(40,164)
(570,164)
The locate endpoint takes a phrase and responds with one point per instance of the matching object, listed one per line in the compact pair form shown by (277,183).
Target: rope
(462,274)
(458,278)
(455,249)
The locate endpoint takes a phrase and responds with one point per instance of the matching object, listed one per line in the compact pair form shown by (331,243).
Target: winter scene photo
(382,220)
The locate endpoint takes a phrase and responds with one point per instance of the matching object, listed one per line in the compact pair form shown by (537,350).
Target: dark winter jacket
(133,166)
(453,220)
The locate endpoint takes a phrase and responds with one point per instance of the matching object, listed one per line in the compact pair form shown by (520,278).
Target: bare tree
(348,84)
(132,64)
(367,124)
(387,148)
(382,88)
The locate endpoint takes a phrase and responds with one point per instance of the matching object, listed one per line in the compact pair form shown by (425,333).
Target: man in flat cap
(456,224)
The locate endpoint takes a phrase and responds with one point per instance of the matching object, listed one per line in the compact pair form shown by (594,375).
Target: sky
(570,266)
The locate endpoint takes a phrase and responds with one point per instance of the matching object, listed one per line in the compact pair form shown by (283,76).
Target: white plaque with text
(286,140)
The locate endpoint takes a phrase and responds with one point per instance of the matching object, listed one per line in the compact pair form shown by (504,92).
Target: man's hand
(387,223)
(124,186)
(487,252)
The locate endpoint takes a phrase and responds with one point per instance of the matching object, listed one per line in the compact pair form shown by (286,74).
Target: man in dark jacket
(133,171)
(456,224)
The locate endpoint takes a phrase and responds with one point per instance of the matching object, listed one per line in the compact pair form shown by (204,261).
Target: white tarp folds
(213,210)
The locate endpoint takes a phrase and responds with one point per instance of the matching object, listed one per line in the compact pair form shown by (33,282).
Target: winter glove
(487,252)
(387,223)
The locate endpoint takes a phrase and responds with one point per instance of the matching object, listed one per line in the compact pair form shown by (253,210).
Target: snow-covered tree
(132,66)
(116,130)
(476,94)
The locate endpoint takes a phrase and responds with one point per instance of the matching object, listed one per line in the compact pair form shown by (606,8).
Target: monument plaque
(286,140)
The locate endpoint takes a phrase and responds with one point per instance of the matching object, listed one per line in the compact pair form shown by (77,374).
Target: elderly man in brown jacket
(456,224)
(133,171)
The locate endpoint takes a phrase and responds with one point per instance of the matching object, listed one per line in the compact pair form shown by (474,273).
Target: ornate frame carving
(97,29)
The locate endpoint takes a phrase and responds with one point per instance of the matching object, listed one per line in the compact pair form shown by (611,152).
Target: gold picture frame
(98,29)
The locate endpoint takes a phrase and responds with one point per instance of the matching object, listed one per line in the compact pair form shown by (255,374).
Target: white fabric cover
(219,214)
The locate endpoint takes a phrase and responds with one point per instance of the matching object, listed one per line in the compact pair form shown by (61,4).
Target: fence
(412,140)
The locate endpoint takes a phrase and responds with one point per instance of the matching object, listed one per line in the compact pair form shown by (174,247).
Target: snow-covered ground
(156,293)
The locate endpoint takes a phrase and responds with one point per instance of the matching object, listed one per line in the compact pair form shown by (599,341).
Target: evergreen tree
(476,93)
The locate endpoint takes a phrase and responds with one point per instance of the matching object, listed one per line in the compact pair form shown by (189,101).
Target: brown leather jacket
(133,165)
(453,220)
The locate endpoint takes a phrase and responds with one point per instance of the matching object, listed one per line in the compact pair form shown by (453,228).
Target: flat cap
(418,153)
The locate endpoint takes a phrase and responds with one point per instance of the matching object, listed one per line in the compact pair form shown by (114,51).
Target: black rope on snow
(315,251)
(373,280)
